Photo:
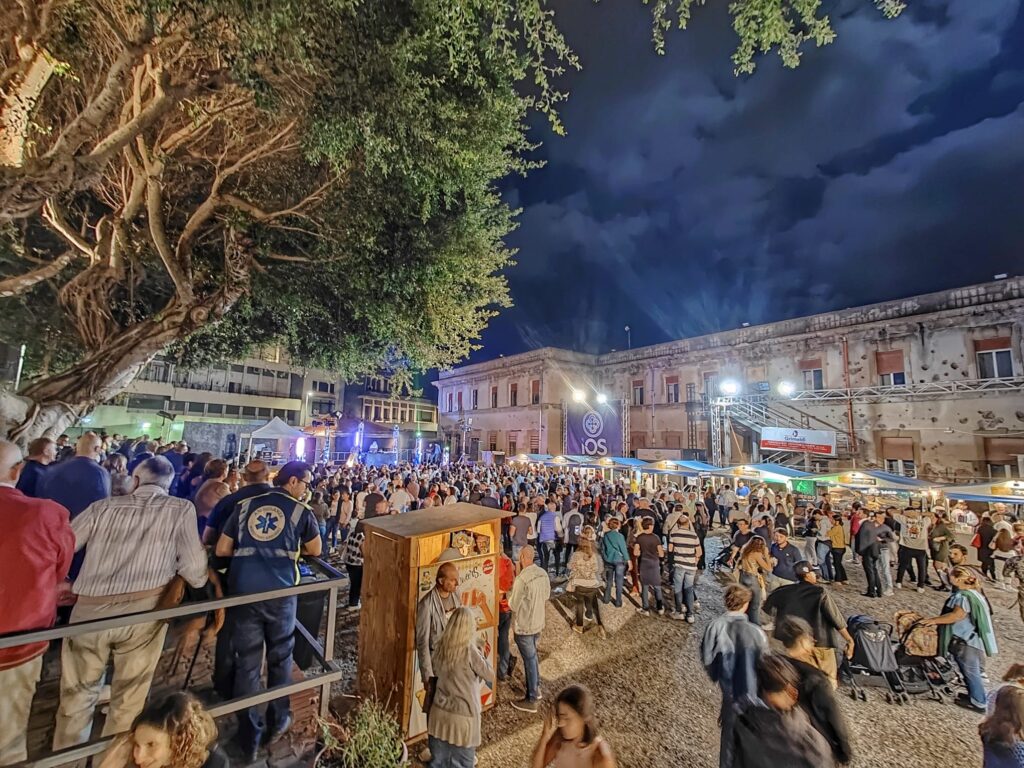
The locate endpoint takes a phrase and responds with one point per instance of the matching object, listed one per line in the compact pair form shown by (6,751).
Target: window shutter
(890,361)
(987,345)
(898,448)
(810,365)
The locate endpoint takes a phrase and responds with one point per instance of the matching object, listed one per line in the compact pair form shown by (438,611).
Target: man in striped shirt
(136,545)
(684,545)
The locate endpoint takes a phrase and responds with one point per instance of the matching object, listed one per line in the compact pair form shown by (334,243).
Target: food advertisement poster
(478,580)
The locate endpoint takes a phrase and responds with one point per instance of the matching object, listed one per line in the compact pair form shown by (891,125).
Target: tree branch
(15,286)
(55,218)
(176,269)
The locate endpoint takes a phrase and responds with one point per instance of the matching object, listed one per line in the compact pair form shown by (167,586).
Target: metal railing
(323,653)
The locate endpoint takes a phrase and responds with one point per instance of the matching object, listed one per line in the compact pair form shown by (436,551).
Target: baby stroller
(917,654)
(874,663)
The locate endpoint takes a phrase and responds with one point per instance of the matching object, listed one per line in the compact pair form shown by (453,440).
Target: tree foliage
(208,175)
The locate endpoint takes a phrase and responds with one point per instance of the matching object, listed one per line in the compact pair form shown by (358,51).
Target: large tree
(207,175)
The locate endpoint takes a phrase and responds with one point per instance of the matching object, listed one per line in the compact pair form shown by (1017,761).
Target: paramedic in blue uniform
(264,537)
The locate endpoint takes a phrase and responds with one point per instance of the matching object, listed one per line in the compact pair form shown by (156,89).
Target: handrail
(187,609)
(324,653)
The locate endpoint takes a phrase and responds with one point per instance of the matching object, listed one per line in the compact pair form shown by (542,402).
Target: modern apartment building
(931,385)
(215,407)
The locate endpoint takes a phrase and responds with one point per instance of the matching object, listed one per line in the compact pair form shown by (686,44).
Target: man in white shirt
(400,499)
(528,598)
(136,544)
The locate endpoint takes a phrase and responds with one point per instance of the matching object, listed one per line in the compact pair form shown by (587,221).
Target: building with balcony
(931,385)
(213,408)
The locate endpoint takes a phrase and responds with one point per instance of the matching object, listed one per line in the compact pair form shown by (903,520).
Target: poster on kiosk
(477,590)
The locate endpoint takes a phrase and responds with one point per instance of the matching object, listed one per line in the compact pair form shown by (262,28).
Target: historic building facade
(931,385)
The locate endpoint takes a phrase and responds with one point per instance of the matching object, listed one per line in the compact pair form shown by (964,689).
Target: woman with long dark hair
(570,738)
(752,565)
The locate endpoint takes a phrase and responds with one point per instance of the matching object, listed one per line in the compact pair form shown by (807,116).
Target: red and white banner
(821,442)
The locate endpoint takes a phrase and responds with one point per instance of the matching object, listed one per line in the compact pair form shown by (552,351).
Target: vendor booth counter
(401,556)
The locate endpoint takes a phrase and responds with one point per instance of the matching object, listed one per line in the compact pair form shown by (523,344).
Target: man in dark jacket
(809,601)
(41,453)
(816,697)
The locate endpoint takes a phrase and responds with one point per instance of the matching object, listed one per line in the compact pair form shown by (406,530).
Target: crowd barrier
(323,653)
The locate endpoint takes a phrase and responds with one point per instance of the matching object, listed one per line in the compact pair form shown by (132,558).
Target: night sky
(685,200)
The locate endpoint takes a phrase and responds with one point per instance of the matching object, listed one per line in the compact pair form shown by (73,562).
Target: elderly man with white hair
(136,545)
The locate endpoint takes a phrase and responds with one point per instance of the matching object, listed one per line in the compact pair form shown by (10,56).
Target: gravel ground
(657,707)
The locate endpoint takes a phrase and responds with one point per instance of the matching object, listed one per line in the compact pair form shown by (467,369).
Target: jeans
(527,645)
(618,572)
(586,598)
(504,652)
(270,624)
(723,514)
(971,663)
(567,550)
(655,591)
(547,551)
(332,533)
(871,573)
(838,553)
(823,550)
(908,556)
(323,536)
(885,568)
(683,582)
(751,582)
(355,584)
(516,549)
(445,755)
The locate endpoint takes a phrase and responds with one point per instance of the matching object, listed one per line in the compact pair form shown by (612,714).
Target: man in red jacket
(35,555)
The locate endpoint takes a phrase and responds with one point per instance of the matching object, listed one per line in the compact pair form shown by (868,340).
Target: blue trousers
(527,645)
(445,755)
(616,571)
(270,624)
(824,552)
(683,583)
(971,662)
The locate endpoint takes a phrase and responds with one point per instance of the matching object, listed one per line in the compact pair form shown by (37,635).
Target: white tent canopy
(275,429)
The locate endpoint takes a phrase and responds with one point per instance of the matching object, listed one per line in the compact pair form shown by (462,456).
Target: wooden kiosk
(401,556)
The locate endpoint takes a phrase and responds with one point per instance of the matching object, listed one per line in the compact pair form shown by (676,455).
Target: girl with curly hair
(174,733)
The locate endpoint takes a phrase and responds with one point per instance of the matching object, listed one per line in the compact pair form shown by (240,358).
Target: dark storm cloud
(685,200)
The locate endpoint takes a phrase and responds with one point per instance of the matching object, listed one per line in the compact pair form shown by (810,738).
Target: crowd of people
(102,528)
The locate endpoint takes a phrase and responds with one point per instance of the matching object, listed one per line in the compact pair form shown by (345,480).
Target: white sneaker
(888,593)
(678,616)
(899,585)
(696,605)
(689,618)
(920,589)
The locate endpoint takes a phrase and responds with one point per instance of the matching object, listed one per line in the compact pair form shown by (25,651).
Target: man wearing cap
(808,600)
(264,536)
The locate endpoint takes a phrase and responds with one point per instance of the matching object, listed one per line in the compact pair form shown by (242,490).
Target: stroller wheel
(863,696)
(905,698)
(853,694)
(948,691)
(888,698)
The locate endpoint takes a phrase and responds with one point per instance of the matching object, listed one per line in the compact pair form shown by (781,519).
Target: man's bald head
(527,555)
(256,471)
(88,445)
(10,462)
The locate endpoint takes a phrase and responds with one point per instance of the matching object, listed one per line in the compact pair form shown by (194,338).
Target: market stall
(402,554)
(876,488)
